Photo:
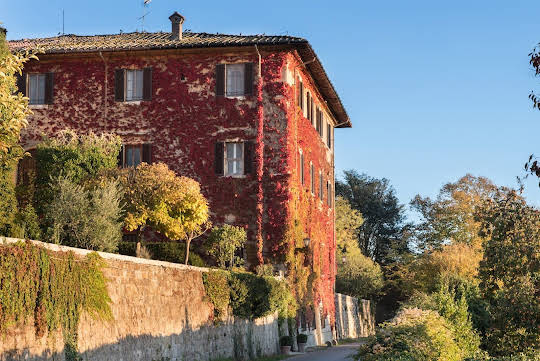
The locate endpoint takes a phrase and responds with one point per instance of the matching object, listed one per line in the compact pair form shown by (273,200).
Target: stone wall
(160,313)
(354,317)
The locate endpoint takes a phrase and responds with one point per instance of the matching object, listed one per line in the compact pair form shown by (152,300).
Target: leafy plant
(223,243)
(163,251)
(286,341)
(301,338)
(173,206)
(216,285)
(86,218)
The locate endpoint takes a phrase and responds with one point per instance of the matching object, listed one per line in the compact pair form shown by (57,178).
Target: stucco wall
(354,317)
(160,313)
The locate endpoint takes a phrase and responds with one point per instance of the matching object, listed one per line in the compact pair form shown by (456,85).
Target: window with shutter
(234,158)
(302,180)
(308,105)
(312,174)
(321,185)
(329,135)
(328,194)
(36,88)
(119,93)
(132,155)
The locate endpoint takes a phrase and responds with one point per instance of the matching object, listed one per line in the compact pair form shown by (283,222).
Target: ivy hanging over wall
(53,288)
(248,296)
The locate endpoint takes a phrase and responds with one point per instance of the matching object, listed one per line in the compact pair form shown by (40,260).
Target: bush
(216,285)
(413,335)
(75,157)
(86,218)
(223,243)
(8,202)
(174,252)
(301,338)
(286,341)
(359,276)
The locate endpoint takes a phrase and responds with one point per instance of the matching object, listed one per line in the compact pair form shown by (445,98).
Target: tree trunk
(139,237)
(188,241)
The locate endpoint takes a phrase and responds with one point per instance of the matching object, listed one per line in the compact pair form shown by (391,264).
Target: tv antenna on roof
(145,13)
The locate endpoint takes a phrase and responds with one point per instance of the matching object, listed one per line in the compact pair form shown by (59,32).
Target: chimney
(176,26)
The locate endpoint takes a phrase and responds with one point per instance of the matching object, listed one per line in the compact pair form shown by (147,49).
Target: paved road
(336,353)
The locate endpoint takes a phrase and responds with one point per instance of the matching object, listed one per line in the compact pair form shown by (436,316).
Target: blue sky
(435,89)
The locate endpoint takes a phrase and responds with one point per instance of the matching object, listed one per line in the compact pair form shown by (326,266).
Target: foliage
(455,310)
(510,274)
(413,335)
(13,105)
(223,242)
(249,296)
(162,251)
(171,205)
(383,236)
(301,338)
(53,288)
(8,202)
(76,157)
(264,270)
(286,341)
(216,285)
(359,276)
(84,217)
(348,221)
(453,216)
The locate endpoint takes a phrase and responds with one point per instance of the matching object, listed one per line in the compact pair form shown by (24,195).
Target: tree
(510,273)
(383,235)
(13,112)
(357,274)
(223,242)
(85,216)
(173,206)
(453,216)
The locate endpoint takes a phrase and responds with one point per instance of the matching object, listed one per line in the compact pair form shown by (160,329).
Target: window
(36,91)
(329,135)
(134,85)
(328,194)
(308,105)
(302,180)
(132,155)
(300,94)
(321,194)
(312,174)
(234,158)
(235,79)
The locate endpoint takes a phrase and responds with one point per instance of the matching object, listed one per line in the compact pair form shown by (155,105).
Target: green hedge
(249,296)
(163,251)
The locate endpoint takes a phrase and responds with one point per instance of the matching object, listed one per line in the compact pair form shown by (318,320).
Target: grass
(346,341)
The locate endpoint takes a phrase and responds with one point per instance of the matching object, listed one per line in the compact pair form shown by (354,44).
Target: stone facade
(354,317)
(160,313)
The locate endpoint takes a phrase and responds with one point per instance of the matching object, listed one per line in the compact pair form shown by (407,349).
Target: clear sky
(435,89)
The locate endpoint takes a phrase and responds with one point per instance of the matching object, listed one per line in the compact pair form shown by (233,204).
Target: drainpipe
(260,161)
(105,87)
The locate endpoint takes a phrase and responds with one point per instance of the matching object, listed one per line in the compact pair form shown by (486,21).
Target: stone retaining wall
(354,318)
(160,312)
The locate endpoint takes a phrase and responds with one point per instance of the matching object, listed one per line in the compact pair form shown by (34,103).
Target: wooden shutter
(311,106)
(249,148)
(301,95)
(219,158)
(147,153)
(298,92)
(49,88)
(308,101)
(119,85)
(329,135)
(220,80)
(248,79)
(147,84)
(121,157)
(21,83)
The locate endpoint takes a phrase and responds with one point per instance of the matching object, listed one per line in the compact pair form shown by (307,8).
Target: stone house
(251,118)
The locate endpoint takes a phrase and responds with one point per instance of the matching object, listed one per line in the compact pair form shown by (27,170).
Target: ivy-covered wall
(159,311)
(185,119)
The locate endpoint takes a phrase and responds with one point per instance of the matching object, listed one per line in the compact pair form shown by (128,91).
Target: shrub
(413,335)
(8,202)
(301,338)
(359,276)
(264,270)
(223,243)
(216,285)
(75,157)
(86,218)
(286,341)
(174,252)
